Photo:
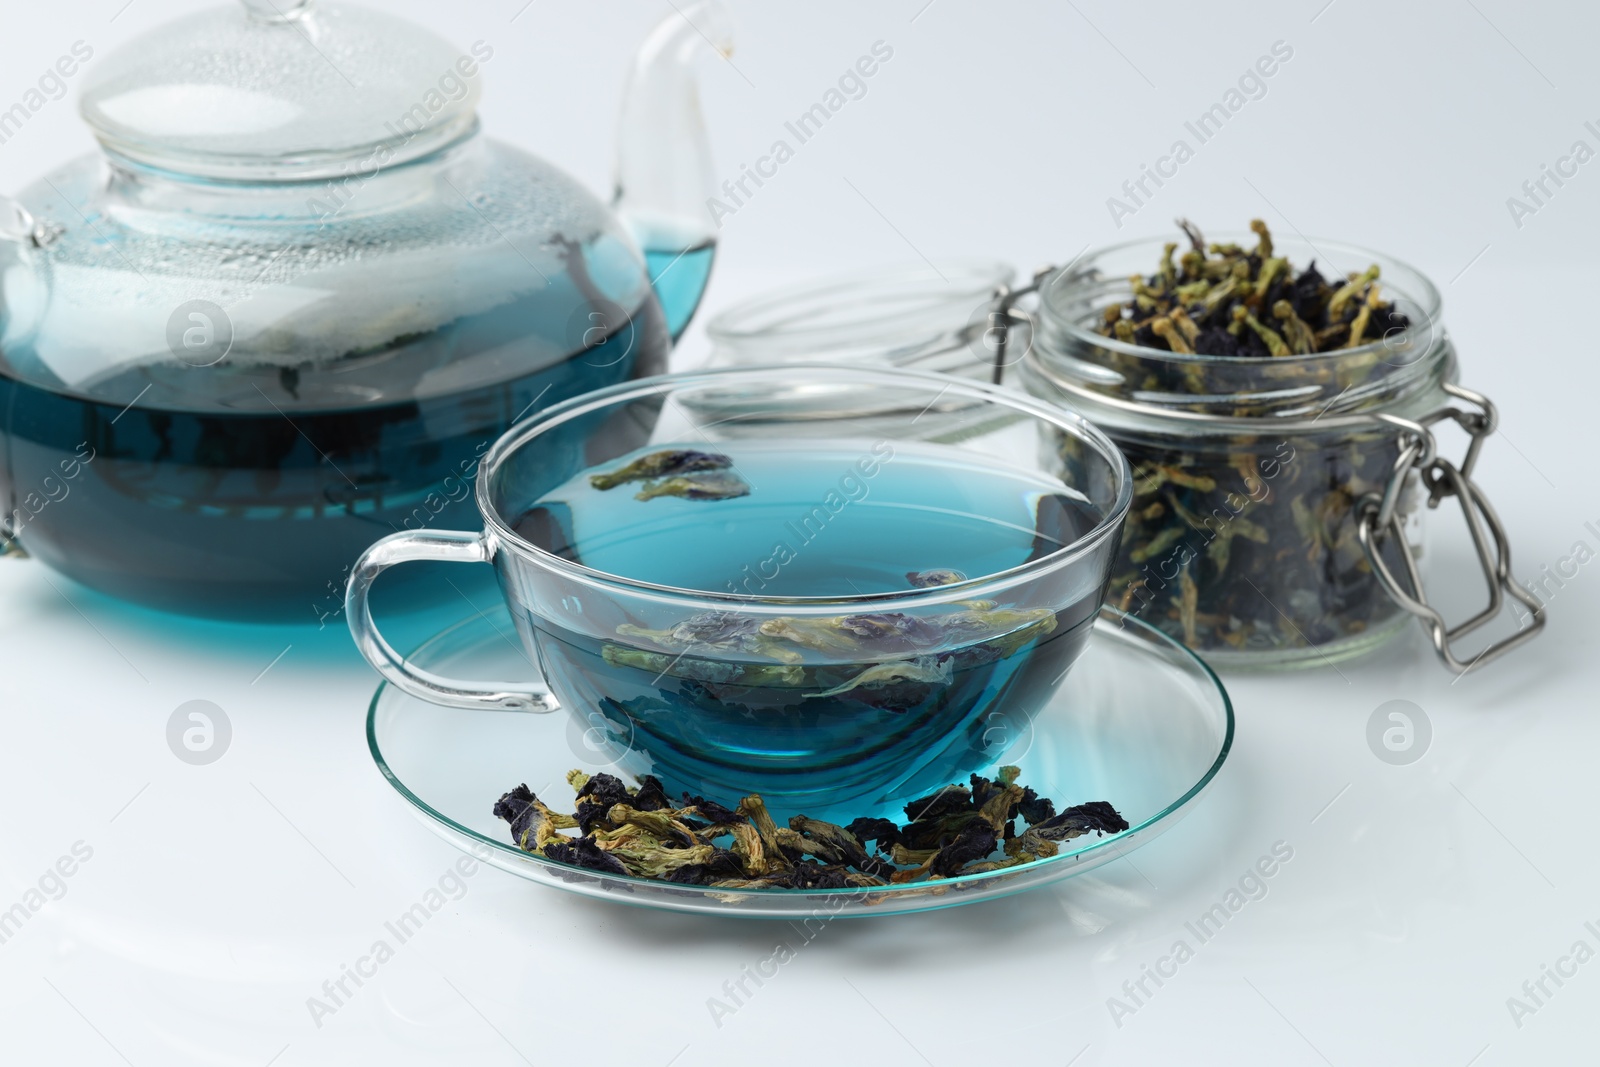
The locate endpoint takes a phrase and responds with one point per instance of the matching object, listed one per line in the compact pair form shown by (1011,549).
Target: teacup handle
(451,546)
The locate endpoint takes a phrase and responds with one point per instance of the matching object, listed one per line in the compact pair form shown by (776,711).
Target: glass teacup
(832,586)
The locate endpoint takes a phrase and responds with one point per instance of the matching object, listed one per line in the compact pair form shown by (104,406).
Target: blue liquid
(815,729)
(246,492)
(679,278)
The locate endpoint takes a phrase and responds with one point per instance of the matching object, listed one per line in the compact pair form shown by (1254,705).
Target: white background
(1419,898)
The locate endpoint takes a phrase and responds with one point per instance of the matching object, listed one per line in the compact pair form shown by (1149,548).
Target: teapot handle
(23,287)
(16,223)
(24,277)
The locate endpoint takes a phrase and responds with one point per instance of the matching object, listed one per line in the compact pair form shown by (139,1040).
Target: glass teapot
(298,296)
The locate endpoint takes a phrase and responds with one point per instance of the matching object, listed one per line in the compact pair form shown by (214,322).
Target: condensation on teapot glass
(299,292)
(277,10)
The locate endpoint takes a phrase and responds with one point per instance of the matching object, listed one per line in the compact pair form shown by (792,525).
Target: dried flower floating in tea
(637,831)
(855,645)
(719,486)
(932,579)
(1224,300)
(661,465)
(677,472)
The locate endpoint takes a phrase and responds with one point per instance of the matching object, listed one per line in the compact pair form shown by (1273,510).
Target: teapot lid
(282,89)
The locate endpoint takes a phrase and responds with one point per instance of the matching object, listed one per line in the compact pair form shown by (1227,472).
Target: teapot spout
(664,170)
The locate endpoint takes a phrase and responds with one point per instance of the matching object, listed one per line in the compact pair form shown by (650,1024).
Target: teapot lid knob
(276,10)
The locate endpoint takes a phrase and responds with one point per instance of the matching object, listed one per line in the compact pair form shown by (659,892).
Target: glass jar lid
(267,89)
(928,315)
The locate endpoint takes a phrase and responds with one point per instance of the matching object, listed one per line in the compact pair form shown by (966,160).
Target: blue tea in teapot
(299,295)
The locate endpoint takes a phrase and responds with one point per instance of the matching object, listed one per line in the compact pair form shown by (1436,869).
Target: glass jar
(1279,502)
(1277,516)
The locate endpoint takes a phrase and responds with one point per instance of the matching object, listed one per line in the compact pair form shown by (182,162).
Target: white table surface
(1420,898)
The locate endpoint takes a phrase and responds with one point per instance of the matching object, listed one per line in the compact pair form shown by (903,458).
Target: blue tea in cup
(831,586)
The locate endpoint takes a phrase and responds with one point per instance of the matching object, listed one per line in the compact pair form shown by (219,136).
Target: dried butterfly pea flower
(721,866)
(824,635)
(755,809)
(807,876)
(663,824)
(582,852)
(602,796)
(893,630)
(960,833)
(947,801)
(604,788)
(1095,816)
(644,858)
(532,824)
(975,842)
(749,849)
(977,632)
(984,789)
(650,795)
(834,844)
(719,629)
(999,809)
(1009,643)
(914,857)
(715,631)
(884,832)
(935,833)
(934,670)
(516,808)
(1034,808)
(1301,338)
(986,866)
(710,809)
(661,465)
(718,672)
(714,486)
(936,577)
(994,623)
(1213,302)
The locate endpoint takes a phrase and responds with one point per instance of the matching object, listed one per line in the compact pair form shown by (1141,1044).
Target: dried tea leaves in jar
(1225,300)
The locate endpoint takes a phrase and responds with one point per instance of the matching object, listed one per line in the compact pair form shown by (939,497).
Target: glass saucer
(1140,722)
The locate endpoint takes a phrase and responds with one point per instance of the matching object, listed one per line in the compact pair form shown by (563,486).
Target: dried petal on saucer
(1095,816)
(635,831)
(582,852)
(975,842)
(712,811)
(947,801)
(883,831)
